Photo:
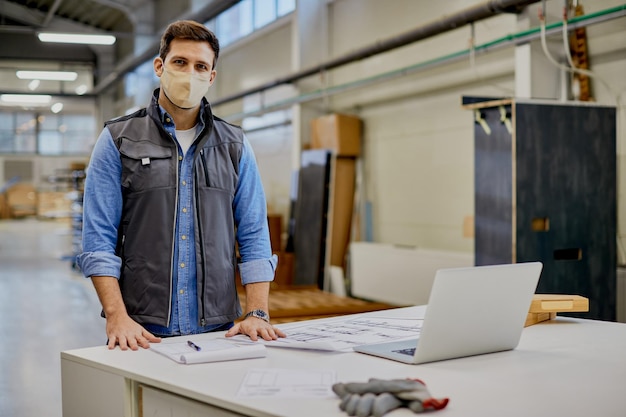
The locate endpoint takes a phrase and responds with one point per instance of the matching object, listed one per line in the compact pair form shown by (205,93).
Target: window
(65,134)
(7,130)
(285,6)
(235,22)
(247,16)
(264,12)
(24,139)
(30,133)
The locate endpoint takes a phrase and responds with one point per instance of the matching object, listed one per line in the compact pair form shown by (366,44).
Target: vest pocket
(145,165)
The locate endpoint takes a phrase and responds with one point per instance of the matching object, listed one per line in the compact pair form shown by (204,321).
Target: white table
(566,367)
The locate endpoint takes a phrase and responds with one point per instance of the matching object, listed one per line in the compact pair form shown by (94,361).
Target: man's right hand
(127,333)
(121,329)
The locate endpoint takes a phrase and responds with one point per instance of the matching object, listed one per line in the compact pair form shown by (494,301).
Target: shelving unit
(74,179)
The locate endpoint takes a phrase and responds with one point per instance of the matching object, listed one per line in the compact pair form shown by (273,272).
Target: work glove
(378,396)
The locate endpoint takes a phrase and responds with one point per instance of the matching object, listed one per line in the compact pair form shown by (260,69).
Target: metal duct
(453,21)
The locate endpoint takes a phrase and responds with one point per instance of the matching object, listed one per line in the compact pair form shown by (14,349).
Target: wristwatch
(259,314)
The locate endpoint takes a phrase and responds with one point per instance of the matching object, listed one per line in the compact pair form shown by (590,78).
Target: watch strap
(260,314)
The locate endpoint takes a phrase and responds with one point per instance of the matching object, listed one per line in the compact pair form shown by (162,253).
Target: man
(169,191)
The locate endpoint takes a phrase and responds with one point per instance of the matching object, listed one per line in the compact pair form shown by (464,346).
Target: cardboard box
(53,204)
(22,200)
(5,212)
(340,133)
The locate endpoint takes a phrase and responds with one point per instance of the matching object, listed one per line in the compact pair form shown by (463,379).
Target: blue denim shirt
(102,211)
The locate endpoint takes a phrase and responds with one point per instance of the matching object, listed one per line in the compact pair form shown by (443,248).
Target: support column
(535,75)
(310,46)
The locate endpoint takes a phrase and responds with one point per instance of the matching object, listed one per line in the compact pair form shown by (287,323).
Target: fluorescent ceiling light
(32,86)
(47,75)
(56,107)
(81,89)
(76,38)
(26,98)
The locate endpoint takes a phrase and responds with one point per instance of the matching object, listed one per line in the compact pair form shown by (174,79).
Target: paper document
(214,350)
(288,383)
(344,333)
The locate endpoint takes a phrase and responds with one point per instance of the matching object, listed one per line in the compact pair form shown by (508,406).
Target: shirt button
(168,120)
(181,291)
(180,158)
(183,237)
(184,210)
(184,182)
(182,264)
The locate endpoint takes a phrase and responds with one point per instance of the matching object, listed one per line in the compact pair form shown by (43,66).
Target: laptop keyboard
(407,351)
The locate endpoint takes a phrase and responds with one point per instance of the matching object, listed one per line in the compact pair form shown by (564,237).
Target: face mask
(184,89)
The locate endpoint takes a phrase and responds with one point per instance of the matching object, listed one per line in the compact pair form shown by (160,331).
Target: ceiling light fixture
(32,86)
(76,38)
(56,107)
(47,75)
(25,98)
(81,89)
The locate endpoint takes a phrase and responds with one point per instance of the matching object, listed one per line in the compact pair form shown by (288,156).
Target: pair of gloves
(378,396)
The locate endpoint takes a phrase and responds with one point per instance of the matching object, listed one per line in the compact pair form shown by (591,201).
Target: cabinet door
(92,392)
(566,200)
(157,403)
(493,186)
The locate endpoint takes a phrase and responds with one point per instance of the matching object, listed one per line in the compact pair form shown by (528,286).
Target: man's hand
(254,327)
(257,294)
(127,333)
(121,329)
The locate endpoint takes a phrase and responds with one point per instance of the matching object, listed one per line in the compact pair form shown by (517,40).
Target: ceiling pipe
(447,23)
(51,12)
(128,65)
(508,40)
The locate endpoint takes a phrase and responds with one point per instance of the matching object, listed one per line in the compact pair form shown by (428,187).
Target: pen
(193,345)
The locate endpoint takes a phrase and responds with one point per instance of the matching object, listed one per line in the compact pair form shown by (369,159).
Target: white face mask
(184,89)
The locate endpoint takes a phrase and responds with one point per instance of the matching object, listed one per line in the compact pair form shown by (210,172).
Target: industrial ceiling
(137,25)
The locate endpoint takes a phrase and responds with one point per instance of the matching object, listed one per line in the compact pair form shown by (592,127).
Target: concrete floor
(45,307)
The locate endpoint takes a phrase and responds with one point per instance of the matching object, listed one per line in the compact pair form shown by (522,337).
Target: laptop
(471,311)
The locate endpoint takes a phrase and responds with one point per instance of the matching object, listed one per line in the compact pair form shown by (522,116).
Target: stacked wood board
(309,302)
(545,306)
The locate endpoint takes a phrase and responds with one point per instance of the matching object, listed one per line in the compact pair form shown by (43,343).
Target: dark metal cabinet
(545,190)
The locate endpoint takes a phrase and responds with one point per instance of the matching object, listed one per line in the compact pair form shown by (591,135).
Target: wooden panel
(342,184)
(566,188)
(493,188)
(558,303)
(308,302)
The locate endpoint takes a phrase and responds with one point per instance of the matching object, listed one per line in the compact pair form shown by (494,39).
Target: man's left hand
(254,328)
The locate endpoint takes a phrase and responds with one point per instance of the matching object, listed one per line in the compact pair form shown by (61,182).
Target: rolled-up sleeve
(257,262)
(102,208)
(260,270)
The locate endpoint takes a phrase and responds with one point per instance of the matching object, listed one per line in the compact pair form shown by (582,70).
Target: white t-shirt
(186,137)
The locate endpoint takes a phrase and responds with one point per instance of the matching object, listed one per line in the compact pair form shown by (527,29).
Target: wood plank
(306,302)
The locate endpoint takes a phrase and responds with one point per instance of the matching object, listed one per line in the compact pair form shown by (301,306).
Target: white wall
(418,141)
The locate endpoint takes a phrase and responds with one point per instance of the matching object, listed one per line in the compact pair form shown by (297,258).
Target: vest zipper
(172,266)
(204,166)
(200,235)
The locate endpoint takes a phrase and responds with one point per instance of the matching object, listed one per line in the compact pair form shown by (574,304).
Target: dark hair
(188,29)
